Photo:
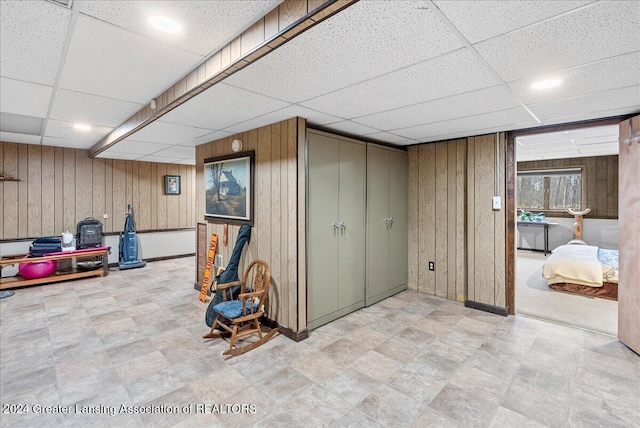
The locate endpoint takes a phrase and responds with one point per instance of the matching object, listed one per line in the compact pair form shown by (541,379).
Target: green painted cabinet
(336,230)
(387,222)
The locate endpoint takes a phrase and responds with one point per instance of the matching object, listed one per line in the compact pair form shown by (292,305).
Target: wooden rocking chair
(241,317)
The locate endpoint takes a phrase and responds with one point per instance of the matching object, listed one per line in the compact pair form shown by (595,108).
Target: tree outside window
(550,189)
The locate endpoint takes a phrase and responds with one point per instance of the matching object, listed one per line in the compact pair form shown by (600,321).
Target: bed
(583,269)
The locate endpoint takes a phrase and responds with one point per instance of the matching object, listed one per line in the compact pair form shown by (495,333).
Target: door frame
(510,203)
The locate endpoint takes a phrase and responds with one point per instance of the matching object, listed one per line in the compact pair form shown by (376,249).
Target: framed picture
(228,183)
(171,184)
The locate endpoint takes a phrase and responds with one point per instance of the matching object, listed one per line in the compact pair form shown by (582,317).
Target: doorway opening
(566,228)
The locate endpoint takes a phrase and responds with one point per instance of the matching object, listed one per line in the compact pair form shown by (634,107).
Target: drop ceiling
(400,72)
(575,143)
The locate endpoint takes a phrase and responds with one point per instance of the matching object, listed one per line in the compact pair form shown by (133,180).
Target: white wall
(599,232)
(150,245)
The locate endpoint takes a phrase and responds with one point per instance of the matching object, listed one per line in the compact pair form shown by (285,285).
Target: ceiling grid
(393,72)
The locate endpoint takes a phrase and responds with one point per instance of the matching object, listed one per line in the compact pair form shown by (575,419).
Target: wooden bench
(59,274)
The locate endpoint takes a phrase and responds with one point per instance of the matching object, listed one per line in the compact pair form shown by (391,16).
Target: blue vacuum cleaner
(129,244)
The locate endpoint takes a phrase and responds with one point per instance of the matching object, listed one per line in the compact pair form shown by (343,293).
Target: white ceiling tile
(222,106)
(206,25)
(480,20)
(213,136)
(560,155)
(12,137)
(547,144)
(160,159)
(612,73)
(365,40)
(178,152)
(111,62)
(555,148)
(450,74)
(313,118)
(64,130)
(589,116)
(78,107)
(29,99)
(601,147)
(463,105)
(595,32)
(66,142)
(167,133)
(407,143)
(588,104)
(352,128)
(585,142)
(138,147)
(20,124)
(32,36)
(111,154)
(502,120)
(527,157)
(587,133)
(387,137)
(191,161)
(589,141)
(543,139)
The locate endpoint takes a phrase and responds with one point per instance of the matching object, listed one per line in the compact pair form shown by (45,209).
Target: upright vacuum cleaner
(129,244)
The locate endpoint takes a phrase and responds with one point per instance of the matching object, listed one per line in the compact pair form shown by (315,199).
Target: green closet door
(398,209)
(351,250)
(322,251)
(377,212)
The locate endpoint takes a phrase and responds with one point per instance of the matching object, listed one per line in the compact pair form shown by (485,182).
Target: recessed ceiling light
(165,24)
(82,127)
(546,84)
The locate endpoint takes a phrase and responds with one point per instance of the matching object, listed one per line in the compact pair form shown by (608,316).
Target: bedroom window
(550,189)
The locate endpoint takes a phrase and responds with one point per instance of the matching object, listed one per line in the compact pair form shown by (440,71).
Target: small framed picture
(171,184)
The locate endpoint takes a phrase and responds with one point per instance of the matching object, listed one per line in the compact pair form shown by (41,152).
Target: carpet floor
(535,298)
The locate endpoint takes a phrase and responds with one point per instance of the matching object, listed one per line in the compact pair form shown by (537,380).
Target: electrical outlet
(218,260)
(105,216)
(432,266)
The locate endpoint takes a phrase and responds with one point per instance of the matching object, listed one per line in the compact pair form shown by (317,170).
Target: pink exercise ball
(35,270)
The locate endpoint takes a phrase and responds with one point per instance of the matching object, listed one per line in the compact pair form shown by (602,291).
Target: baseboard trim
(157,259)
(385,295)
(487,308)
(296,336)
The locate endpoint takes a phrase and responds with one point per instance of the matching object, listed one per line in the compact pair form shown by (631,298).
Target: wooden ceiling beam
(290,19)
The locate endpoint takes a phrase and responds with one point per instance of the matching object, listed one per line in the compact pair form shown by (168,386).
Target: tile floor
(134,339)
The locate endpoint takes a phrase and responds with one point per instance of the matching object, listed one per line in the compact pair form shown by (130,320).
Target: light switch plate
(497,202)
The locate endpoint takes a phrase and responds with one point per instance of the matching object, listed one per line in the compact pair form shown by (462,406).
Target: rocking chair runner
(244,312)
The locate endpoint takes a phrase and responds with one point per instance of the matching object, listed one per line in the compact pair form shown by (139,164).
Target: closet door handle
(390,222)
(335,228)
(343,228)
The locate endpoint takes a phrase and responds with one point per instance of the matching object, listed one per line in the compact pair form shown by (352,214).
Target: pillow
(576,242)
(233,308)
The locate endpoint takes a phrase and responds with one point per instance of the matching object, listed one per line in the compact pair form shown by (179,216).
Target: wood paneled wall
(600,175)
(486,228)
(61,186)
(437,218)
(275,233)
(451,221)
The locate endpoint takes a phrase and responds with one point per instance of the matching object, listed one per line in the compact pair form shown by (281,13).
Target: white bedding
(577,264)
